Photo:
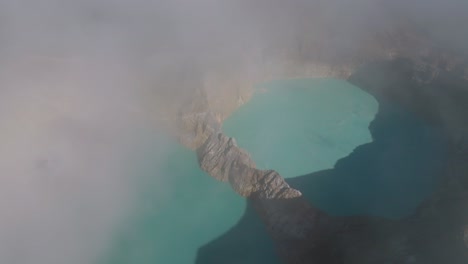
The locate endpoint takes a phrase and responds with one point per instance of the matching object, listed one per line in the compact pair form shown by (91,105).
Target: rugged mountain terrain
(400,65)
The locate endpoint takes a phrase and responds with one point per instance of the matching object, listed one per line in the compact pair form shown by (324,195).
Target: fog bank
(79,80)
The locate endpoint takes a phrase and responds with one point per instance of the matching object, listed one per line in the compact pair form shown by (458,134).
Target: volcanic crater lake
(347,152)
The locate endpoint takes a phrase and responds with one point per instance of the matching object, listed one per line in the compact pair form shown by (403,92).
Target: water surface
(180,209)
(299,126)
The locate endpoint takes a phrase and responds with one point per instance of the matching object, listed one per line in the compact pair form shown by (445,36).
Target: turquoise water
(299,126)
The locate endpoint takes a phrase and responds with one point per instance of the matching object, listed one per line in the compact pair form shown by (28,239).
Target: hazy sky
(74,82)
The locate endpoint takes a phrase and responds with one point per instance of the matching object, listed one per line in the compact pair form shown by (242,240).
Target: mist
(80,79)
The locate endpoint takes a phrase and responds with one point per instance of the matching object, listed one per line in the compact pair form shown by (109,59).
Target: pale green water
(180,210)
(297,127)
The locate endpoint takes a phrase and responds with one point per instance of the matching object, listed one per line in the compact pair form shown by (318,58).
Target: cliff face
(435,233)
(228,82)
(401,66)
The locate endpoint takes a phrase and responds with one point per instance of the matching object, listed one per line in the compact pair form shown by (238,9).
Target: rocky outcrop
(302,233)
